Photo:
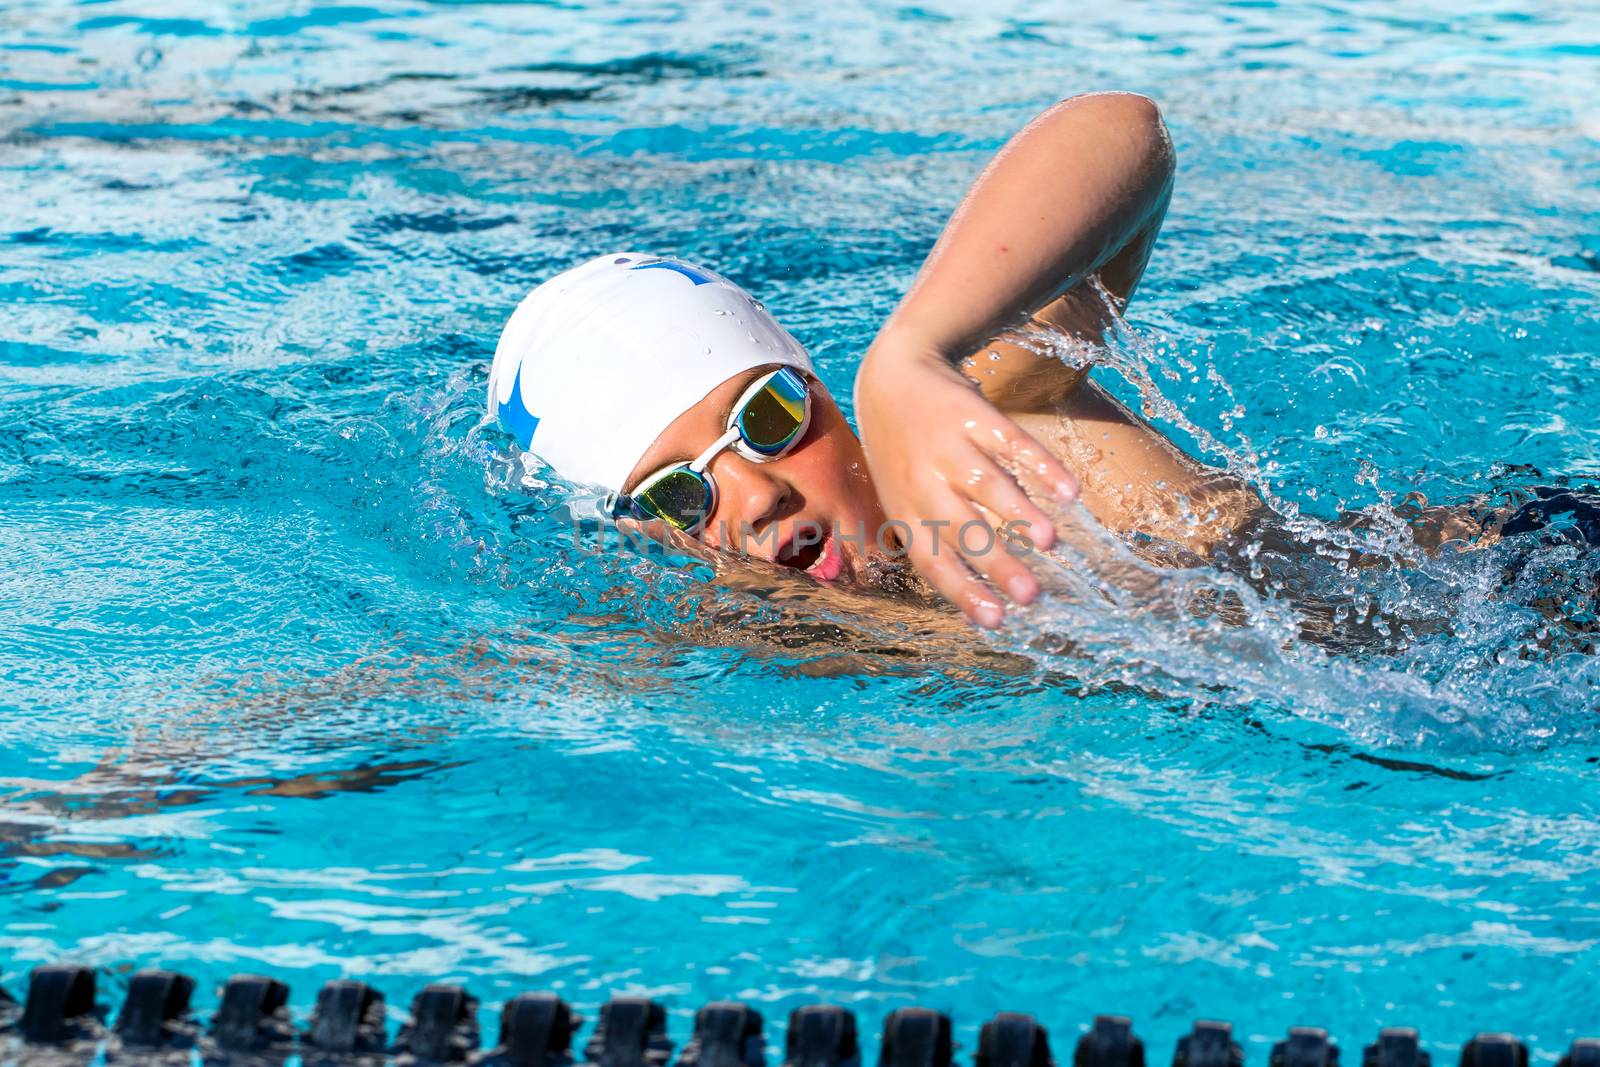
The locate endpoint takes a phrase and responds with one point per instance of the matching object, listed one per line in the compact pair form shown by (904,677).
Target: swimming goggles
(768,420)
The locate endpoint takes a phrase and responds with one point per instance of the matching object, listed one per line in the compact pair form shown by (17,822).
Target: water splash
(1349,622)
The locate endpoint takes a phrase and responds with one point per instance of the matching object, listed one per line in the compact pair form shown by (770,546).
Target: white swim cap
(596,362)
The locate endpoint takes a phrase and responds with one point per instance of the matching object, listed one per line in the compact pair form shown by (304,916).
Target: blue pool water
(301,672)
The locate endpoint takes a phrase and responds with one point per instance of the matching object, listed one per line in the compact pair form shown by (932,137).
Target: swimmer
(673,390)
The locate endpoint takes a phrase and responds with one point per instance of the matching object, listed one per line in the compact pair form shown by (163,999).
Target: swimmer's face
(791,510)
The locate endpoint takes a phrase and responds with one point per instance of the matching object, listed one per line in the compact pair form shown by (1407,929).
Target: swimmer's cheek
(654,537)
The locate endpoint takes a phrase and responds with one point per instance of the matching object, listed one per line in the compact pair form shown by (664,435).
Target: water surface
(301,673)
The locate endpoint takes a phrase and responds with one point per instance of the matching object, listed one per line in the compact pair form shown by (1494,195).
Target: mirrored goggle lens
(679,497)
(771,419)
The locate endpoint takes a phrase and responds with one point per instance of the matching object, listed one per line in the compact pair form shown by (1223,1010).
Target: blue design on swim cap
(516,417)
(672,264)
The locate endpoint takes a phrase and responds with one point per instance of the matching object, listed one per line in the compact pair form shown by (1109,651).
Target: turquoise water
(301,672)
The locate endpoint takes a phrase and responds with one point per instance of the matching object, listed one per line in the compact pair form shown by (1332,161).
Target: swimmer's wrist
(903,346)
(893,357)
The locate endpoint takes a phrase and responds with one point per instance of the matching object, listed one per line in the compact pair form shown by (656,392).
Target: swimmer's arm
(1080,191)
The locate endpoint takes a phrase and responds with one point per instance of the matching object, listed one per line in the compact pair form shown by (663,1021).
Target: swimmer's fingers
(966,559)
(938,559)
(991,554)
(998,491)
(1024,461)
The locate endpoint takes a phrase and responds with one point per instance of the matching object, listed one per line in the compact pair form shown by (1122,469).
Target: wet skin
(964,425)
(1134,479)
(792,510)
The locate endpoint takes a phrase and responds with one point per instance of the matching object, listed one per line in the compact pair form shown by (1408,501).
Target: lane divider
(61,1023)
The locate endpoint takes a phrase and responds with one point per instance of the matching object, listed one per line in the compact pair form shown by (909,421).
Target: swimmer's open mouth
(802,550)
(822,559)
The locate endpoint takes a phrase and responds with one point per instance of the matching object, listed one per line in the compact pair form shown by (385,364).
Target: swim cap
(596,362)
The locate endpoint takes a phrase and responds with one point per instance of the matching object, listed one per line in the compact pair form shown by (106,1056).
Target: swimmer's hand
(1078,192)
(941,457)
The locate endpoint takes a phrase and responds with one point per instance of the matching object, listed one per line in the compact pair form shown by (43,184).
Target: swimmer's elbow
(1132,123)
(1132,109)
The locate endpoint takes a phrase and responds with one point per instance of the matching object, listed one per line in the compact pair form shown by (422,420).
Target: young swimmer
(672,389)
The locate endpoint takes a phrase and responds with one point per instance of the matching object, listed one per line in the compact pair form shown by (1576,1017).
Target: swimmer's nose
(753,499)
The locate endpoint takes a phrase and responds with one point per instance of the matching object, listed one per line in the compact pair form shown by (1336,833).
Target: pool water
(302,671)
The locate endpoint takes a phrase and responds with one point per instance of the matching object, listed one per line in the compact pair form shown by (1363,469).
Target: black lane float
(61,1021)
